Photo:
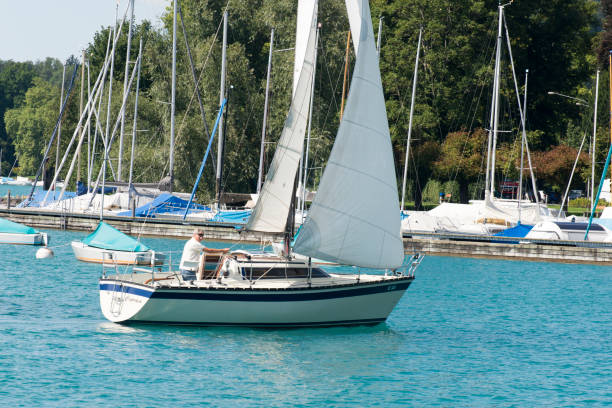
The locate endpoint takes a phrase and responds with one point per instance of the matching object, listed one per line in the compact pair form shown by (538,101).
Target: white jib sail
(355,217)
(305,12)
(353,10)
(272,209)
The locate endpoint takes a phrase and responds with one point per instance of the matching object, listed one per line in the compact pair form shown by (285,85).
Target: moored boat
(109,245)
(15,233)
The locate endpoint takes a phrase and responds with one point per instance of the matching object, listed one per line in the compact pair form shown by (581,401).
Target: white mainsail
(272,209)
(355,217)
(307,9)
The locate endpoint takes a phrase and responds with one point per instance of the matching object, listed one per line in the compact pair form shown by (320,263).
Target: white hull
(23,239)
(87,253)
(368,302)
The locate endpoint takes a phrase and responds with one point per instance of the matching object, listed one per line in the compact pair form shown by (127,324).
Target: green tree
(32,123)
(461,159)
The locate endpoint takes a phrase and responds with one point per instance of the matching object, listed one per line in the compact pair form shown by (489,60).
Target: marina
(220,222)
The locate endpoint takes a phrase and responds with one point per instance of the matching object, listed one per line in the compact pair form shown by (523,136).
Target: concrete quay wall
(522,251)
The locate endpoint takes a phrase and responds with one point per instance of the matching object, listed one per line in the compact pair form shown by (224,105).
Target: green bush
(584,202)
(432,190)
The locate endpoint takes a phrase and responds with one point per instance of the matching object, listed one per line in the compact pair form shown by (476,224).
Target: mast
(594,138)
(314,71)
(135,116)
(110,86)
(125,81)
(110,94)
(89,132)
(265,117)
(173,102)
(523,142)
(221,124)
(78,177)
(346,61)
(605,170)
(496,97)
(59,129)
(414,87)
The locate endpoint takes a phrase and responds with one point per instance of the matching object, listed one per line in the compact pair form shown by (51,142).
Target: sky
(33,30)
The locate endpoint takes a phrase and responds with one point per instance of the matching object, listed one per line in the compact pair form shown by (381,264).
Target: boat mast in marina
(173,101)
(593,149)
(414,87)
(134,126)
(125,79)
(221,140)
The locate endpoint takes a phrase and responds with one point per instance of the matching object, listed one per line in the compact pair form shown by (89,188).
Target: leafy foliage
(559,41)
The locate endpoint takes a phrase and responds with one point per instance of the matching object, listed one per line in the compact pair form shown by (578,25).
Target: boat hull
(87,253)
(22,239)
(338,305)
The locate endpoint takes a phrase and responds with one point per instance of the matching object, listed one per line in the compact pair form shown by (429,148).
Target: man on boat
(190,261)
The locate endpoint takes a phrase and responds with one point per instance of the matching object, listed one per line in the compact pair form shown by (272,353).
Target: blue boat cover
(163,204)
(39,196)
(107,237)
(520,231)
(232,217)
(11,227)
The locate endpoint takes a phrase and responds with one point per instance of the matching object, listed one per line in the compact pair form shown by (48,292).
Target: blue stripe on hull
(266,296)
(117,287)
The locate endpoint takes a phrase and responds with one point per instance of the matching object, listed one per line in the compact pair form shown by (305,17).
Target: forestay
(355,217)
(272,209)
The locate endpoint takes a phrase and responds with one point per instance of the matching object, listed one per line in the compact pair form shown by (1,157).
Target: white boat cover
(355,216)
(272,209)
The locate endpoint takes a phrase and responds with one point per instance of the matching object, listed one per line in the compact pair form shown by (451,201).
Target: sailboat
(264,290)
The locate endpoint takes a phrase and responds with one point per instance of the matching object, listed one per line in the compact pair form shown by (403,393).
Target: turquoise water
(15,190)
(466,333)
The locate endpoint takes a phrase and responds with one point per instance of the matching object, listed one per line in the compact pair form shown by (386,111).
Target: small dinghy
(15,233)
(109,245)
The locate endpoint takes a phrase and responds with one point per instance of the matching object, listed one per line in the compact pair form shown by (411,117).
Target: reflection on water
(115,328)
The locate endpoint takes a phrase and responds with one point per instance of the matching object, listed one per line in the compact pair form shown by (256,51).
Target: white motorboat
(15,233)
(87,253)
(109,245)
(260,289)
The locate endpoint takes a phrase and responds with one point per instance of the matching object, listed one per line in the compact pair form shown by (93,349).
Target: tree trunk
(418,195)
(463,192)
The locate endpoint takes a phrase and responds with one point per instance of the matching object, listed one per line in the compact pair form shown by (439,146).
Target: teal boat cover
(107,237)
(11,227)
